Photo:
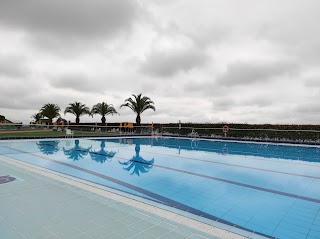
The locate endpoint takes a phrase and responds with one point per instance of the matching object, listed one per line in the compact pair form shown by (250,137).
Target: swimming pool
(273,190)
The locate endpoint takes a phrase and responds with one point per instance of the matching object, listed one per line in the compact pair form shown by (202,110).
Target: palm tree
(50,111)
(77,152)
(36,117)
(78,109)
(102,155)
(103,109)
(48,147)
(139,104)
(137,163)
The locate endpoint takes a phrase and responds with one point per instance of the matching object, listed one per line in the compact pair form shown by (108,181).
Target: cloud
(85,18)
(308,108)
(76,81)
(294,30)
(13,66)
(228,103)
(313,82)
(214,61)
(246,73)
(168,63)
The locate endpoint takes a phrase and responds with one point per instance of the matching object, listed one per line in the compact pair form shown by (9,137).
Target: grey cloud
(81,18)
(246,73)
(295,31)
(91,82)
(206,88)
(308,108)
(78,82)
(13,66)
(260,102)
(166,64)
(81,50)
(224,104)
(206,36)
(227,103)
(16,96)
(313,82)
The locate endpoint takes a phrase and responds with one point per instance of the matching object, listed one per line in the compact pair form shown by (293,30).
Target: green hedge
(243,131)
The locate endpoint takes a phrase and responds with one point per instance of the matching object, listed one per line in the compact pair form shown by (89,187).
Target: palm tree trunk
(77,120)
(138,120)
(103,121)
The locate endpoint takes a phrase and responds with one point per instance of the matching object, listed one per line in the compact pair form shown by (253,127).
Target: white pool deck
(42,203)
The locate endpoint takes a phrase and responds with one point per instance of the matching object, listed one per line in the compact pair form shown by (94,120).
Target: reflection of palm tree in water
(48,147)
(102,155)
(138,164)
(77,152)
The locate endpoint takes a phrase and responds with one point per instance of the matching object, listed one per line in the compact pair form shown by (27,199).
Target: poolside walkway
(38,205)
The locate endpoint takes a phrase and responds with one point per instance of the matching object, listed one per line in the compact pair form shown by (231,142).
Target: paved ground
(37,207)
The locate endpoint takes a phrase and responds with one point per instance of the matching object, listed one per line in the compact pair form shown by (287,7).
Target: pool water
(273,190)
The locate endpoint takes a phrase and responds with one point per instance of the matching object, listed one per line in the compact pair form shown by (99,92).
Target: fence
(269,135)
(312,136)
(15,131)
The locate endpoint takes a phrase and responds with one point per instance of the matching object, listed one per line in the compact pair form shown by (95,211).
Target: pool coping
(244,141)
(227,139)
(205,225)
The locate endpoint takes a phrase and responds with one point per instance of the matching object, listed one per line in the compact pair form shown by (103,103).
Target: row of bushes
(303,133)
(249,131)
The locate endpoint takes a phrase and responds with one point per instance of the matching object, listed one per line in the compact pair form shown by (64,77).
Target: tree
(78,109)
(37,117)
(139,104)
(77,152)
(102,155)
(137,163)
(50,111)
(103,109)
(48,147)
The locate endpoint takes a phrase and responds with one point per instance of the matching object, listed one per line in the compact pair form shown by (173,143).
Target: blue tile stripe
(239,166)
(241,184)
(162,199)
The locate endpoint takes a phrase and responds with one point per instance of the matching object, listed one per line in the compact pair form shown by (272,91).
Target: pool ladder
(195,136)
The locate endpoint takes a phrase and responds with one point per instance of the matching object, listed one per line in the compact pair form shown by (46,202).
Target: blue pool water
(273,190)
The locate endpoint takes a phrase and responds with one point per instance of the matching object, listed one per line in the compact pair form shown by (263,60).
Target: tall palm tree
(103,109)
(36,117)
(137,163)
(48,147)
(139,104)
(50,111)
(77,152)
(78,109)
(102,155)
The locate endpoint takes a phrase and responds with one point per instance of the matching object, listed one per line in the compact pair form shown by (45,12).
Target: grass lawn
(46,133)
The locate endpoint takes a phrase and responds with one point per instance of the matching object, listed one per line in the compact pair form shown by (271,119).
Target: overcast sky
(246,61)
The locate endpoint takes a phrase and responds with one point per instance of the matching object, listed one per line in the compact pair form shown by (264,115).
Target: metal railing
(8,131)
(265,135)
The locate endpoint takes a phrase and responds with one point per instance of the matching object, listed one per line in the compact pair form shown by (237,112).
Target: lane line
(162,199)
(203,176)
(184,220)
(233,165)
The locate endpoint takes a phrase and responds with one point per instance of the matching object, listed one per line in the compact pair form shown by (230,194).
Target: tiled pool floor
(34,206)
